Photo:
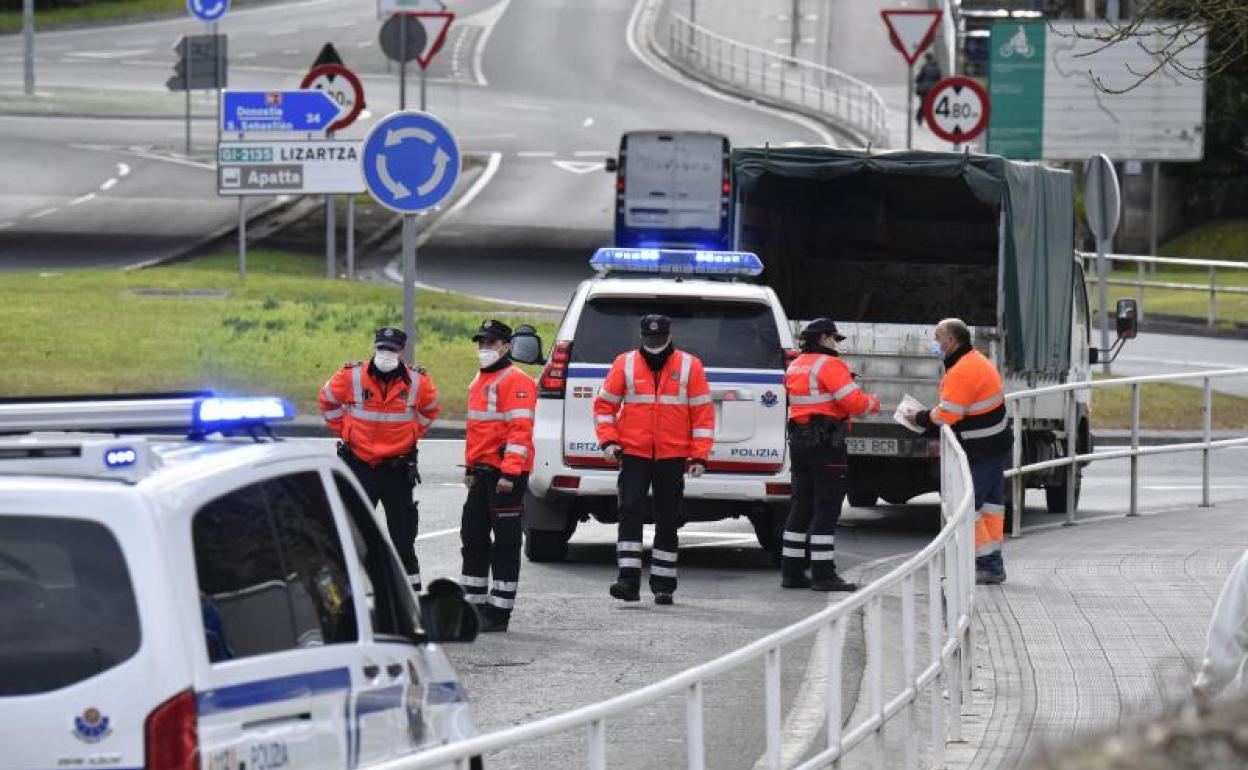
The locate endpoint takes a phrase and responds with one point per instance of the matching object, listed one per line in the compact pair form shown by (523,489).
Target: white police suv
(739,331)
(214,604)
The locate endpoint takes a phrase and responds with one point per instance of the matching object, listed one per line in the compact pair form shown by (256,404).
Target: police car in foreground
(740,332)
(223,604)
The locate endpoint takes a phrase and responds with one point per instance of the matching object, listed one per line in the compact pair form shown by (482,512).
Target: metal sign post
(28,47)
(403,65)
(409,283)
(190,83)
(1102,204)
(351,237)
(242,239)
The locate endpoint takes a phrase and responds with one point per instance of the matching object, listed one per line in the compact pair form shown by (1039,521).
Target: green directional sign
(1016,89)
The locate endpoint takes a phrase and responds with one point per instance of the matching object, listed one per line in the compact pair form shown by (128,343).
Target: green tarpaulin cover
(942,214)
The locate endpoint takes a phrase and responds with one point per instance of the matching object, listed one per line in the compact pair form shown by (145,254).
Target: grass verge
(1167,406)
(1215,240)
(1231,308)
(284,330)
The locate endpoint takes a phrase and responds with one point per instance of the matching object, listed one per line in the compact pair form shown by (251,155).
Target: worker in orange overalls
(654,417)
(498,456)
(972,402)
(822,398)
(380,410)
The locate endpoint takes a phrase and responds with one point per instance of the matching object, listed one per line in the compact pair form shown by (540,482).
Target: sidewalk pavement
(848,35)
(1097,625)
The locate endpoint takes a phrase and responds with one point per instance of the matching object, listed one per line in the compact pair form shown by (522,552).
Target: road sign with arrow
(277,111)
(957,109)
(411,161)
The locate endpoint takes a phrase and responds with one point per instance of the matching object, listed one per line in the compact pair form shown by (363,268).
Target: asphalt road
(1173,353)
(570,644)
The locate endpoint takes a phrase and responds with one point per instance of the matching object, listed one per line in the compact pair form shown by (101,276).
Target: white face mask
(936,349)
(386,360)
(654,351)
(488,358)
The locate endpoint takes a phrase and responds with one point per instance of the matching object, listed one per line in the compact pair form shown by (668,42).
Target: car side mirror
(445,615)
(611,165)
(1127,319)
(526,345)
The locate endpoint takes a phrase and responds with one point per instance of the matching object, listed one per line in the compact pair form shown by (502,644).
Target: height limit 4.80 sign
(957,109)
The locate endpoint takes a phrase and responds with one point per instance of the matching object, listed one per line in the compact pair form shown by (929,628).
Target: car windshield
(67,608)
(734,335)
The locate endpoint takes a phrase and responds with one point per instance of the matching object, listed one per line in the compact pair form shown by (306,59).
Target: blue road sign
(208,10)
(289,111)
(411,161)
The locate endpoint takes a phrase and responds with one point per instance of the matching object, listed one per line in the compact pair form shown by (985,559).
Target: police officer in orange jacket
(498,456)
(822,398)
(972,402)
(381,409)
(654,416)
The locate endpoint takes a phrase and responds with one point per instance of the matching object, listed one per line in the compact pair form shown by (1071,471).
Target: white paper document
(908,404)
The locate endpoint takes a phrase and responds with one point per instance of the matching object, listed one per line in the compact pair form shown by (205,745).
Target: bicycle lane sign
(1016,89)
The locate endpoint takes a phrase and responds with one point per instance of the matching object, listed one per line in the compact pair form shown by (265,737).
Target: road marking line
(535,154)
(364,44)
(289,51)
(489,22)
(109,54)
(109,183)
(123,169)
(280,32)
(42,214)
(591,154)
(248,55)
(587,122)
(83,199)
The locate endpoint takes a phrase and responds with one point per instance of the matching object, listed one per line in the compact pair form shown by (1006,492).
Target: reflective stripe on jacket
(664,419)
(500,421)
(378,419)
(820,384)
(972,401)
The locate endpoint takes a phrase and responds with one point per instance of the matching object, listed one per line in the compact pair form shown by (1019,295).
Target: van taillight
(727,187)
(555,375)
(169,737)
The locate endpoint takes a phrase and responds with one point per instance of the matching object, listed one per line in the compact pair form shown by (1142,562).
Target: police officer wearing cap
(380,410)
(498,456)
(654,417)
(822,398)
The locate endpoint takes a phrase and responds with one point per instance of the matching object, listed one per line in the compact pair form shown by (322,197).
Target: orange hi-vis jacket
(972,401)
(820,384)
(500,421)
(658,419)
(379,420)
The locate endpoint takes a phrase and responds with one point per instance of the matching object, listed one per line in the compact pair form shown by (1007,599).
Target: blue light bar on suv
(211,415)
(676,262)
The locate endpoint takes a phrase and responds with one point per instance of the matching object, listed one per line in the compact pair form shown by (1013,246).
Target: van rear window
(67,609)
(734,335)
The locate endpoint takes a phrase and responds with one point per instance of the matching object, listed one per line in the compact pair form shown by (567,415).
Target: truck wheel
(862,497)
(769,529)
(1055,496)
(546,545)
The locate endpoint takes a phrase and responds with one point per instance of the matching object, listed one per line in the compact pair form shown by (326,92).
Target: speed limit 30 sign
(342,85)
(956,109)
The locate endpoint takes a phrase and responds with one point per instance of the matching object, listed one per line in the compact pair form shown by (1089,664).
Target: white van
(185,604)
(738,330)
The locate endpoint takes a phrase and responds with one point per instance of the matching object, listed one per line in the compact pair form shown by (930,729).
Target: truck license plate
(872,446)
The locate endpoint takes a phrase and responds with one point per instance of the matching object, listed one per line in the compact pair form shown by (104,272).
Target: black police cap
(388,336)
(656,325)
(821,326)
(492,331)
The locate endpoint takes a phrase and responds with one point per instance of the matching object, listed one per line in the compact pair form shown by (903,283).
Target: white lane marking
(364,44)
(109,54)
(662,68)
(123,170)
(591,154)
(43,213)
(109,183)
(248,55)
(437,533)
(579,166)
(280,32)
(535,154)
(587,122)
(528,107)
(342,24)
(289,51)
(489,20)
(83,199)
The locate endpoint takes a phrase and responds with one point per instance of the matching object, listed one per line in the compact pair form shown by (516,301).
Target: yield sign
(436,25)
(910,31)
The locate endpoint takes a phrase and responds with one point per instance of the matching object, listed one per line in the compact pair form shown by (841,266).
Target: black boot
(833,583)
(493,619)
(795,581)
(662,597)
(625,592)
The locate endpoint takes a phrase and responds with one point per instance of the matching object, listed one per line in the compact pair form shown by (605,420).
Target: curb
(1122,437)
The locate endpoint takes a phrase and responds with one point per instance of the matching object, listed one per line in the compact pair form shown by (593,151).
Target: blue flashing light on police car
(219,414)
(676,261)
(120,457)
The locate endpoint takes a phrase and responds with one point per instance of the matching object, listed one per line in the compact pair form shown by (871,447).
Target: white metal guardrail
(843,99)
(948,566)
(1157,281)
(1073,459)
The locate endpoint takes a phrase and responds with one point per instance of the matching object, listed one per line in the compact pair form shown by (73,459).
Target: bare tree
(1166,30)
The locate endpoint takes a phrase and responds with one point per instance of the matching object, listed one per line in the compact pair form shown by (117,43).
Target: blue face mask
(934,346)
